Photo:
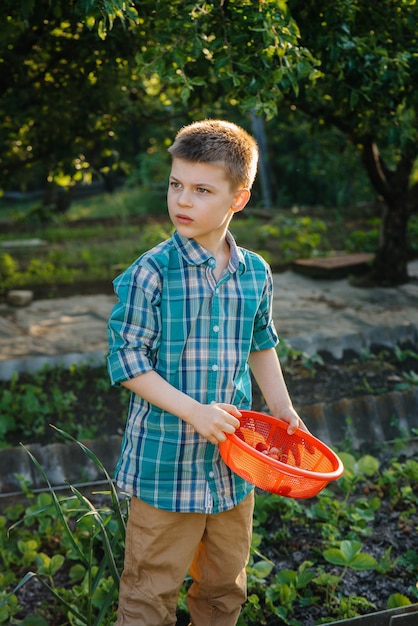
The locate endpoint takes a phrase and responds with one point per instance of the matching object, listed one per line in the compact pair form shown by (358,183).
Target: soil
(381,370)
(387,532)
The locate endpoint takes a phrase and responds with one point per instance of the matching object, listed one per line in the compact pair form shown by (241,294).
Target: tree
(351,64)
(62,91)
(75,74)
(367,89)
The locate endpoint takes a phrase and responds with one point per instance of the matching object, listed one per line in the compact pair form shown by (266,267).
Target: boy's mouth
(184,219)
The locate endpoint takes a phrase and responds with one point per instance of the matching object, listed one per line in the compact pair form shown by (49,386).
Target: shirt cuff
(264,339)
(125,364)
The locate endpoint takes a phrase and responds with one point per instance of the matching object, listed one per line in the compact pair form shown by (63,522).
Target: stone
(19,297)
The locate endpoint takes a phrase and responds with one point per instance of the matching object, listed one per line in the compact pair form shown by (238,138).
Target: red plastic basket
(303,464)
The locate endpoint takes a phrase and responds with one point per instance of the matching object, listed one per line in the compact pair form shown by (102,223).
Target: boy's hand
(289,415)
(212,421)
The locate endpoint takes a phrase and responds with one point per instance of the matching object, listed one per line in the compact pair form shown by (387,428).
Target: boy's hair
(218,141)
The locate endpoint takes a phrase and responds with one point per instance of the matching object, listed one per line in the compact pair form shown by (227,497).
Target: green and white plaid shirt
(174,317)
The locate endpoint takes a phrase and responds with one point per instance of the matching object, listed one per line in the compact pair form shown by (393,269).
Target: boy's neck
(220,251)
(222,257)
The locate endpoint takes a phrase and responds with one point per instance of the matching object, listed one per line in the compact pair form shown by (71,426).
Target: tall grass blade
(114,495)
(57,506)
(106,544)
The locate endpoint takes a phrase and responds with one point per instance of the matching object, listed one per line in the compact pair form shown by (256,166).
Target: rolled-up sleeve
(265,335)
(134,324)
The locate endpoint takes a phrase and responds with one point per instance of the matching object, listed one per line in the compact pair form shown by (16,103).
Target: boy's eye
(174,184)
(202,190)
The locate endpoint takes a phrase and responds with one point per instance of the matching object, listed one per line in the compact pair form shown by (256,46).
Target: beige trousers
(161,546)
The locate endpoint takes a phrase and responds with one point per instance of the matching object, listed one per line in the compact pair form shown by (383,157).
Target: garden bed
(351,550)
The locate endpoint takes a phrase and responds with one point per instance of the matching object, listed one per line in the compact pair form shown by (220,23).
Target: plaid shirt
(174,317)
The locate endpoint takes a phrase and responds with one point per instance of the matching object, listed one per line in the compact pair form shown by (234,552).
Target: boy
(194,314)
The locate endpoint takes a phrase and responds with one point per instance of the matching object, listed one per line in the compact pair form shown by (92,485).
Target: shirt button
(215,368)
(211,474)
(216,329)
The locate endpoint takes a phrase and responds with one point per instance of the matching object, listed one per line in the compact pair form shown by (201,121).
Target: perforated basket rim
(290,470)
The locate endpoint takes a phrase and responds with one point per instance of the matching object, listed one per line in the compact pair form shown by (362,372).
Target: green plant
(347,555)
(285,237)
(288,587)
(92,538)
(73,544)
(79,400)
(289,357)
(411,378)
(364,240)
(402,354)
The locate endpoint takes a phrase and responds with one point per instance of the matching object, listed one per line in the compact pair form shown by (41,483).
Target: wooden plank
(334,266)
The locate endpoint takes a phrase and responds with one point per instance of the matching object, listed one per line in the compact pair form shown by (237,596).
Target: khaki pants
(161,546)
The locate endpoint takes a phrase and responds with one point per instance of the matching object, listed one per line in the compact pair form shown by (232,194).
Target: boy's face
(201,202)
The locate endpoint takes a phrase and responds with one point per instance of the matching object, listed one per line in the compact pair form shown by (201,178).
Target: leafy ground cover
(352,549)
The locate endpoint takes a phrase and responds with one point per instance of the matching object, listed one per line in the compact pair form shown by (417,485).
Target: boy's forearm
(267,371)
(211,421)
(157,391)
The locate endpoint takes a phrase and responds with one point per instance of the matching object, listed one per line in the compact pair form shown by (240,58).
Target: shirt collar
(195,254)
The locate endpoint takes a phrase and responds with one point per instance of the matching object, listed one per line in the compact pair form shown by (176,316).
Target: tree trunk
(390,265)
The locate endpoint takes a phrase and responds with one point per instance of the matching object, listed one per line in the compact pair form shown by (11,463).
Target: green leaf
(262,568)
(77,573)
(363,562)
(327,580)
(101,29)
(368,465)
(287,576)
(396,600)
(349,555)
(350,549)
(44,562)
(335,556)
(348,460)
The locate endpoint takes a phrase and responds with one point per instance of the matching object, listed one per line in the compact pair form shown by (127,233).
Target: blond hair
(219,142)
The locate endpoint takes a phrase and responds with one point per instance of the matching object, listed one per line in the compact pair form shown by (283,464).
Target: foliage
(73,546)
(365,89)
(284,238)
(306,161)
(87,541)
(62,88)
(172,62)
(78,399)
(158,57)
(82,254)
(78,252)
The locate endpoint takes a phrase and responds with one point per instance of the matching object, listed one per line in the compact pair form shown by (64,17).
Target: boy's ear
(241,198)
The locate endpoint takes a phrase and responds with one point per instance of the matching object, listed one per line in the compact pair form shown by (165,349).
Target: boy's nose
(185,198)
